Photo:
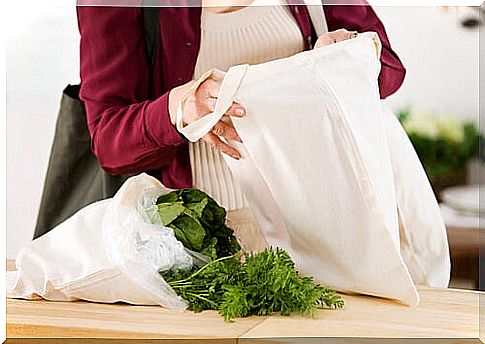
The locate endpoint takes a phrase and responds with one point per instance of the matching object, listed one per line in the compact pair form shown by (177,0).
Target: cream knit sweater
(254,34)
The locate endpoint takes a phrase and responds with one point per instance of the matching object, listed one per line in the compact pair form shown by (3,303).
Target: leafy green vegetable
(198,222)
(170,211)
(234,283)
(210,248)
(170,197)
(197,208)
(193,231)
(252,284)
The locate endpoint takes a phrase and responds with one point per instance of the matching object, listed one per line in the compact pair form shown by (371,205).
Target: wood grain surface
(442,313)
(83,319)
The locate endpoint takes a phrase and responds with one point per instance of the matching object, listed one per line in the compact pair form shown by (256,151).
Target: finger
(203,106)
(211,103)
(324,41)
(236,110)
(206,95)
(212,88)
(331,37)
(340,32)
(217,144)
(338,35)
(225,130)
(353,34)
(205,89)
(342,35)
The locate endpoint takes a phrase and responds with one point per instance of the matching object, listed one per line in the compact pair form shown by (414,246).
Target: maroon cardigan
(130,128)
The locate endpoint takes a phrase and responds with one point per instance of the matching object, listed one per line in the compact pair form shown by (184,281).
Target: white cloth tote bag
(317,169)
(424,245)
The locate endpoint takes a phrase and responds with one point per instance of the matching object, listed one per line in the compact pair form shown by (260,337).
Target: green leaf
(210,249)
(169,211)
(192,230)
(214,215)
(235,303)
(197,208)
(193,195)
(170,197)
(180,235)
(259,284)
(205,211)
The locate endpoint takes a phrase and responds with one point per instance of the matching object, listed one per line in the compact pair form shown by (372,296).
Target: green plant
(198,222)
(443,143)
(252,284)
(235,283)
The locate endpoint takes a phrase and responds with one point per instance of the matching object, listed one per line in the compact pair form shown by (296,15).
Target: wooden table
(442,313)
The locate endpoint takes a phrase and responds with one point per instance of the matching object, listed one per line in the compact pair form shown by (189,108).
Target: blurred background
(438,105)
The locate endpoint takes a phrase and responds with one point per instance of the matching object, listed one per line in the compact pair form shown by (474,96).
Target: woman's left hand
(334,37)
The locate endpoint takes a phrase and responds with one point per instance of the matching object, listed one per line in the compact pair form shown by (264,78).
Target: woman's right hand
(332,37)
(203,103)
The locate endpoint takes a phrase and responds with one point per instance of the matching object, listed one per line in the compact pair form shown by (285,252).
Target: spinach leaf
(180,235)
(210,248)
(198,222)
(169,211)
(170,197)
(193,231)
(197,208)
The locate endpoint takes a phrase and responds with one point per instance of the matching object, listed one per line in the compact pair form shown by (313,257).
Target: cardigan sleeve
(362,18)
(129,133)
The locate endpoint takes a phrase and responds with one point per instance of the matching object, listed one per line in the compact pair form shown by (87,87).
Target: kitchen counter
(442,313)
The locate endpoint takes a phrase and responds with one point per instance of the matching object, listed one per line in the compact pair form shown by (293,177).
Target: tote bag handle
(230,84)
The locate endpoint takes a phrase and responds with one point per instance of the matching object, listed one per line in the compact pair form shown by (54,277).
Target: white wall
(441,59)
(42,57)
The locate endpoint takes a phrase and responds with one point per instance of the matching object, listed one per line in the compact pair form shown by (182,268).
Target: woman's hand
(334,37)
(200,105)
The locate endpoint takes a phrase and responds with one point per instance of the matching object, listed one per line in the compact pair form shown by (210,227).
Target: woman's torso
(253,34)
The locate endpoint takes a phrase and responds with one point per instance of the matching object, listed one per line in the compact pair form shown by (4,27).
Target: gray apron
(74,177)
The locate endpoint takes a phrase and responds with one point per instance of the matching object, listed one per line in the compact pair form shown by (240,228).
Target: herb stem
(204,267)
(204,299)
(176,283)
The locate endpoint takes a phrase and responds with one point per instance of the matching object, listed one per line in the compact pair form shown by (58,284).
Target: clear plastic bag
(109,251)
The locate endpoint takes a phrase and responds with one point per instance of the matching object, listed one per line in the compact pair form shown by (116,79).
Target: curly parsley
(252,284)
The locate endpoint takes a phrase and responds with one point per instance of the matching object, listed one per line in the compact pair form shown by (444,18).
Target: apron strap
(317,16)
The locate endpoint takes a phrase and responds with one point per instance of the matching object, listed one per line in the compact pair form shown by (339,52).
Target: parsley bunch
(247,284)
(235,283)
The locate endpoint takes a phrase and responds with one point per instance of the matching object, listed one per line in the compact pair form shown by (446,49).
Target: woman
(132,127)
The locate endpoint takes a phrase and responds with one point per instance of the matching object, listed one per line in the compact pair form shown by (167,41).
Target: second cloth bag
(316,168)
